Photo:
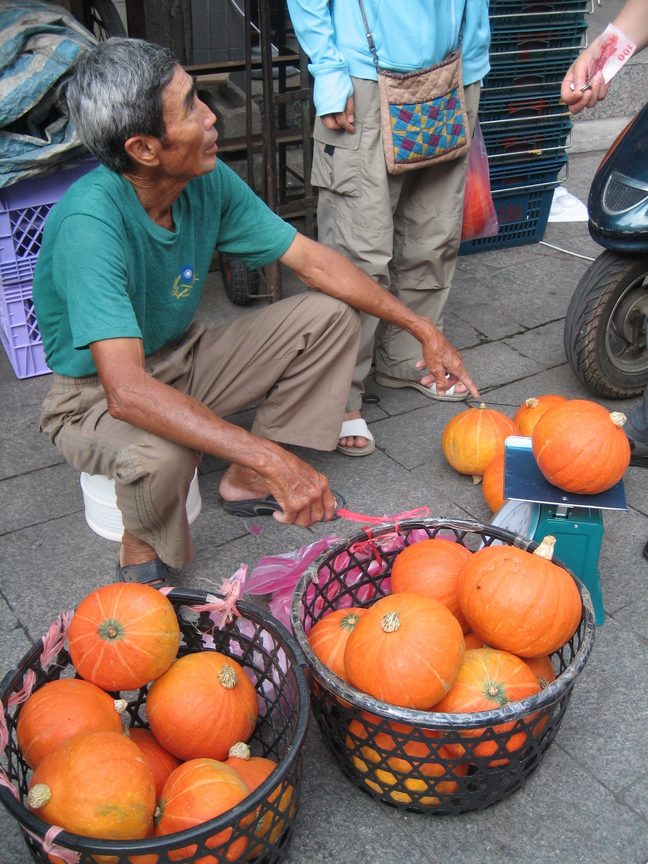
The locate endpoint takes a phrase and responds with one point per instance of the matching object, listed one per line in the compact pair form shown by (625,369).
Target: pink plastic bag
(479,216)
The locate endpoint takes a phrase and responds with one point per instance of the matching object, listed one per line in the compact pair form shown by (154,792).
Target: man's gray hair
(115,92)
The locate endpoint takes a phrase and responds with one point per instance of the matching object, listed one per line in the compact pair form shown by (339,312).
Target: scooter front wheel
(606,340)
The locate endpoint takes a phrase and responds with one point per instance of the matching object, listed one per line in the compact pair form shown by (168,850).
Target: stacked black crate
(526,128)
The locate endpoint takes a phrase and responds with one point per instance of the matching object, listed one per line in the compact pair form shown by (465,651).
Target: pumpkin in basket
(254,770)
(406,650)
(581,447)
(489,679)
(329,635)
(63,708)
(474,437)
(405,764)
(542,668)
(197,791)
(202,705)
(520,601)
(123,635)
(431,567)
(532,409)
(159,760)
(96,784)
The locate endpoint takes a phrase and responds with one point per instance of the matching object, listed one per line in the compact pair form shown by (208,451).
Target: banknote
(614,51)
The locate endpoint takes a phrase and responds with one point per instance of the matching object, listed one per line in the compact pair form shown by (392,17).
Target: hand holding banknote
(587,80)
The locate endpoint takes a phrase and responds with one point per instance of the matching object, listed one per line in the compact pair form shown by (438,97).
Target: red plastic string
(352,516)
(20,696)
(51,848)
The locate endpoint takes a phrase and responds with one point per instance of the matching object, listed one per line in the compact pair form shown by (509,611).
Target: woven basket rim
(431,719)
(164,843)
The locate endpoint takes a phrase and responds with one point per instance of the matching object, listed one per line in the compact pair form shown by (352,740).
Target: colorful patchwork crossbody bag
(422,114)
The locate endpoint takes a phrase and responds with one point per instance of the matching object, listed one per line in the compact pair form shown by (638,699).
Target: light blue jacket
(409,35)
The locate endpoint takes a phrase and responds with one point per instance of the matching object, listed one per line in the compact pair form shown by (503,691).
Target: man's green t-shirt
(106,270)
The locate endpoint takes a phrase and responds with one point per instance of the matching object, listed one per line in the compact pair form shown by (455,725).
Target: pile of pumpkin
(96,777)
(578,445)
(460,632)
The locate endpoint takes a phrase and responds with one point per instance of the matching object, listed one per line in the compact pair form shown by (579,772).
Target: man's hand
(303,493)
(343,120)
(444,364)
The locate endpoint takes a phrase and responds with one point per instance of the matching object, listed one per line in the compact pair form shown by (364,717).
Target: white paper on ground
(565,207)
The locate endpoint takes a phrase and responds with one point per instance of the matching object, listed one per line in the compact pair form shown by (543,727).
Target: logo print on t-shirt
(184,282)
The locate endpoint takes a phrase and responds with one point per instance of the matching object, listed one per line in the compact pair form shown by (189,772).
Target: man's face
(189,147)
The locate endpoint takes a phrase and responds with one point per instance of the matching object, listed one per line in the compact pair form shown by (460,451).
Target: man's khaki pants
(294,357)
(403,230)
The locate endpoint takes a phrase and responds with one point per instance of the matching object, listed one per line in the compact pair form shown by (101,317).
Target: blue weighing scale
(534,508)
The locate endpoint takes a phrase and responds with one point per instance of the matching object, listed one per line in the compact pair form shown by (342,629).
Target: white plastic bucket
(102,513)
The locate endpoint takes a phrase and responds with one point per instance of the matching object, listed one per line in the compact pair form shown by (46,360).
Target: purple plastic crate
(24,207)
(23,210)
(19,332)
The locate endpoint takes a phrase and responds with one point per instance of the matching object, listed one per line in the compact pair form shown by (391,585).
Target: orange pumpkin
(159,760)
(406,650)
(199,790)
(61,709)
(472,640)
(532,409)
(254,770)
(397,764)
(328,637)
(202,705)
(581,447)
(96,784)
(520,601)
(542,668)
(489,679)
(431,567)
(474,437)
(493,483)
(123,635)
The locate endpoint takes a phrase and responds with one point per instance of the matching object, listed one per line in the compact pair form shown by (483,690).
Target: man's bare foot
(135,551)
(357,440)
(240,483)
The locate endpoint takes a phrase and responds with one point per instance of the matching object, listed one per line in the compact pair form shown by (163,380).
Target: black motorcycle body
(606,327)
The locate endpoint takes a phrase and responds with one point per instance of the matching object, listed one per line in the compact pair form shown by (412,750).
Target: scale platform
(534,508)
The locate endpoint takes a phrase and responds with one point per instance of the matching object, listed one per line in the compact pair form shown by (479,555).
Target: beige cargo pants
(403,230)
(295,358)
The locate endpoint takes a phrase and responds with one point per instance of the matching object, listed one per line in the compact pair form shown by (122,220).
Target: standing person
(580,89)
(139,389)
(403,230)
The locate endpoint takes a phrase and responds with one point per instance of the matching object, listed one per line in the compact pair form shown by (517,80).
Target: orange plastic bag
(479,215)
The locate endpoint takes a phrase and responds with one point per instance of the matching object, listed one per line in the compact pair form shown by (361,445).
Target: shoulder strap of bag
(370,39)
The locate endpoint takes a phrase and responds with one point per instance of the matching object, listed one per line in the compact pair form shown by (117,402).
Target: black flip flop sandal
(154,573)
(263,506)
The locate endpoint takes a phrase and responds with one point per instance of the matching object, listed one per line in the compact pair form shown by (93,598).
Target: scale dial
(520,517)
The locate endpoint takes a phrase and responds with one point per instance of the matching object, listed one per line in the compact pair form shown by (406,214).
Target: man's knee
(337,312)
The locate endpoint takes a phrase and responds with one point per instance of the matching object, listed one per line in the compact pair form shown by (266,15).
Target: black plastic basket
(537,7)
(514,140)
(538,35)
(275,664)
(422,760)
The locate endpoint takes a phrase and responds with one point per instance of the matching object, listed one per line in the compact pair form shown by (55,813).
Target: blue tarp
(39,44)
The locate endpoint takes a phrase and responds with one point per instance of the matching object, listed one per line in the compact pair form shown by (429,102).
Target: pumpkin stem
(39,795)
(120,705)
(618,418)
(546,547)
(482,404)
(240,750)
(349,621)
(476,479)
(532,402)
(228,677)
(390,622)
